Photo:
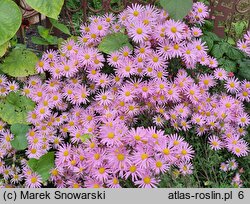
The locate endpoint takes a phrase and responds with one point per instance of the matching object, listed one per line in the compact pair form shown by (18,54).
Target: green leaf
(85,137)
(50,8)
(231,41)
(10,20)
(224,46)
(213,36)
(60,26)
(209,42)
(20,63)
(39,41)
(244,69)
(217,51)
(228,65)
(15,107)
(43,32)
(3,48)
(239,27)
(234,53)
(209,25)
(20,141)
(114,42)
(43,165)
(177,9)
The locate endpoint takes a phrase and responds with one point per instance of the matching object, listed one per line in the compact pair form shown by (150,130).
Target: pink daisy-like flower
(232,85)
(186,168)
(215,142)
(139,32)
(147,181)
(220,74)
(174,29)
(33,181)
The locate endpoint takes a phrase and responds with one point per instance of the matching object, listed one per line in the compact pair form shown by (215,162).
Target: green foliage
(85,137)
(45,34)
(39,41)
(177,9)
(244,69)
(20,141)
(48,8)
(43,165)
(229,57)
(209,42)
(15,107)
(46,38)
(60,26)
(3,48)
(228,64)
(20,63)
(10,20)
(114,42)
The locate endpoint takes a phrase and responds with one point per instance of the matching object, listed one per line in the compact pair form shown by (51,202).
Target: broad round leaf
(50,8)
(20,63)
(15,107)
(3,48)
(20,141)
(177,9)
(43,165)
(10,20)
(114,42)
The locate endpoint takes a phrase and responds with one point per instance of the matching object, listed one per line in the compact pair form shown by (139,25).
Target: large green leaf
(244,69)
(234,53)
(20,63)
(43,165)
(209,42)
(217,51)
(15,107)
(10,20)
(3,48)
(50,8)
(114,42)
(20,141)
(228,65)
(177,9)
(60,26)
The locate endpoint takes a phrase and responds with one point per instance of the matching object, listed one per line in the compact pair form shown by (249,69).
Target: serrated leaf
(39,41)
(20,141)
(43,165)
(15,107)
(209,42)
(228,65)
(234,54)
(114,42)
(177,9)
(20,63)
(50,8)
(224,46)
(60,26)
(244,69)
(231,41)
(10,20)
(213,36)
(217,51)
(3,48)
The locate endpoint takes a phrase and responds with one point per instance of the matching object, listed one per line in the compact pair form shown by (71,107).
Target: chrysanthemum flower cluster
(109,126)
(244,44)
